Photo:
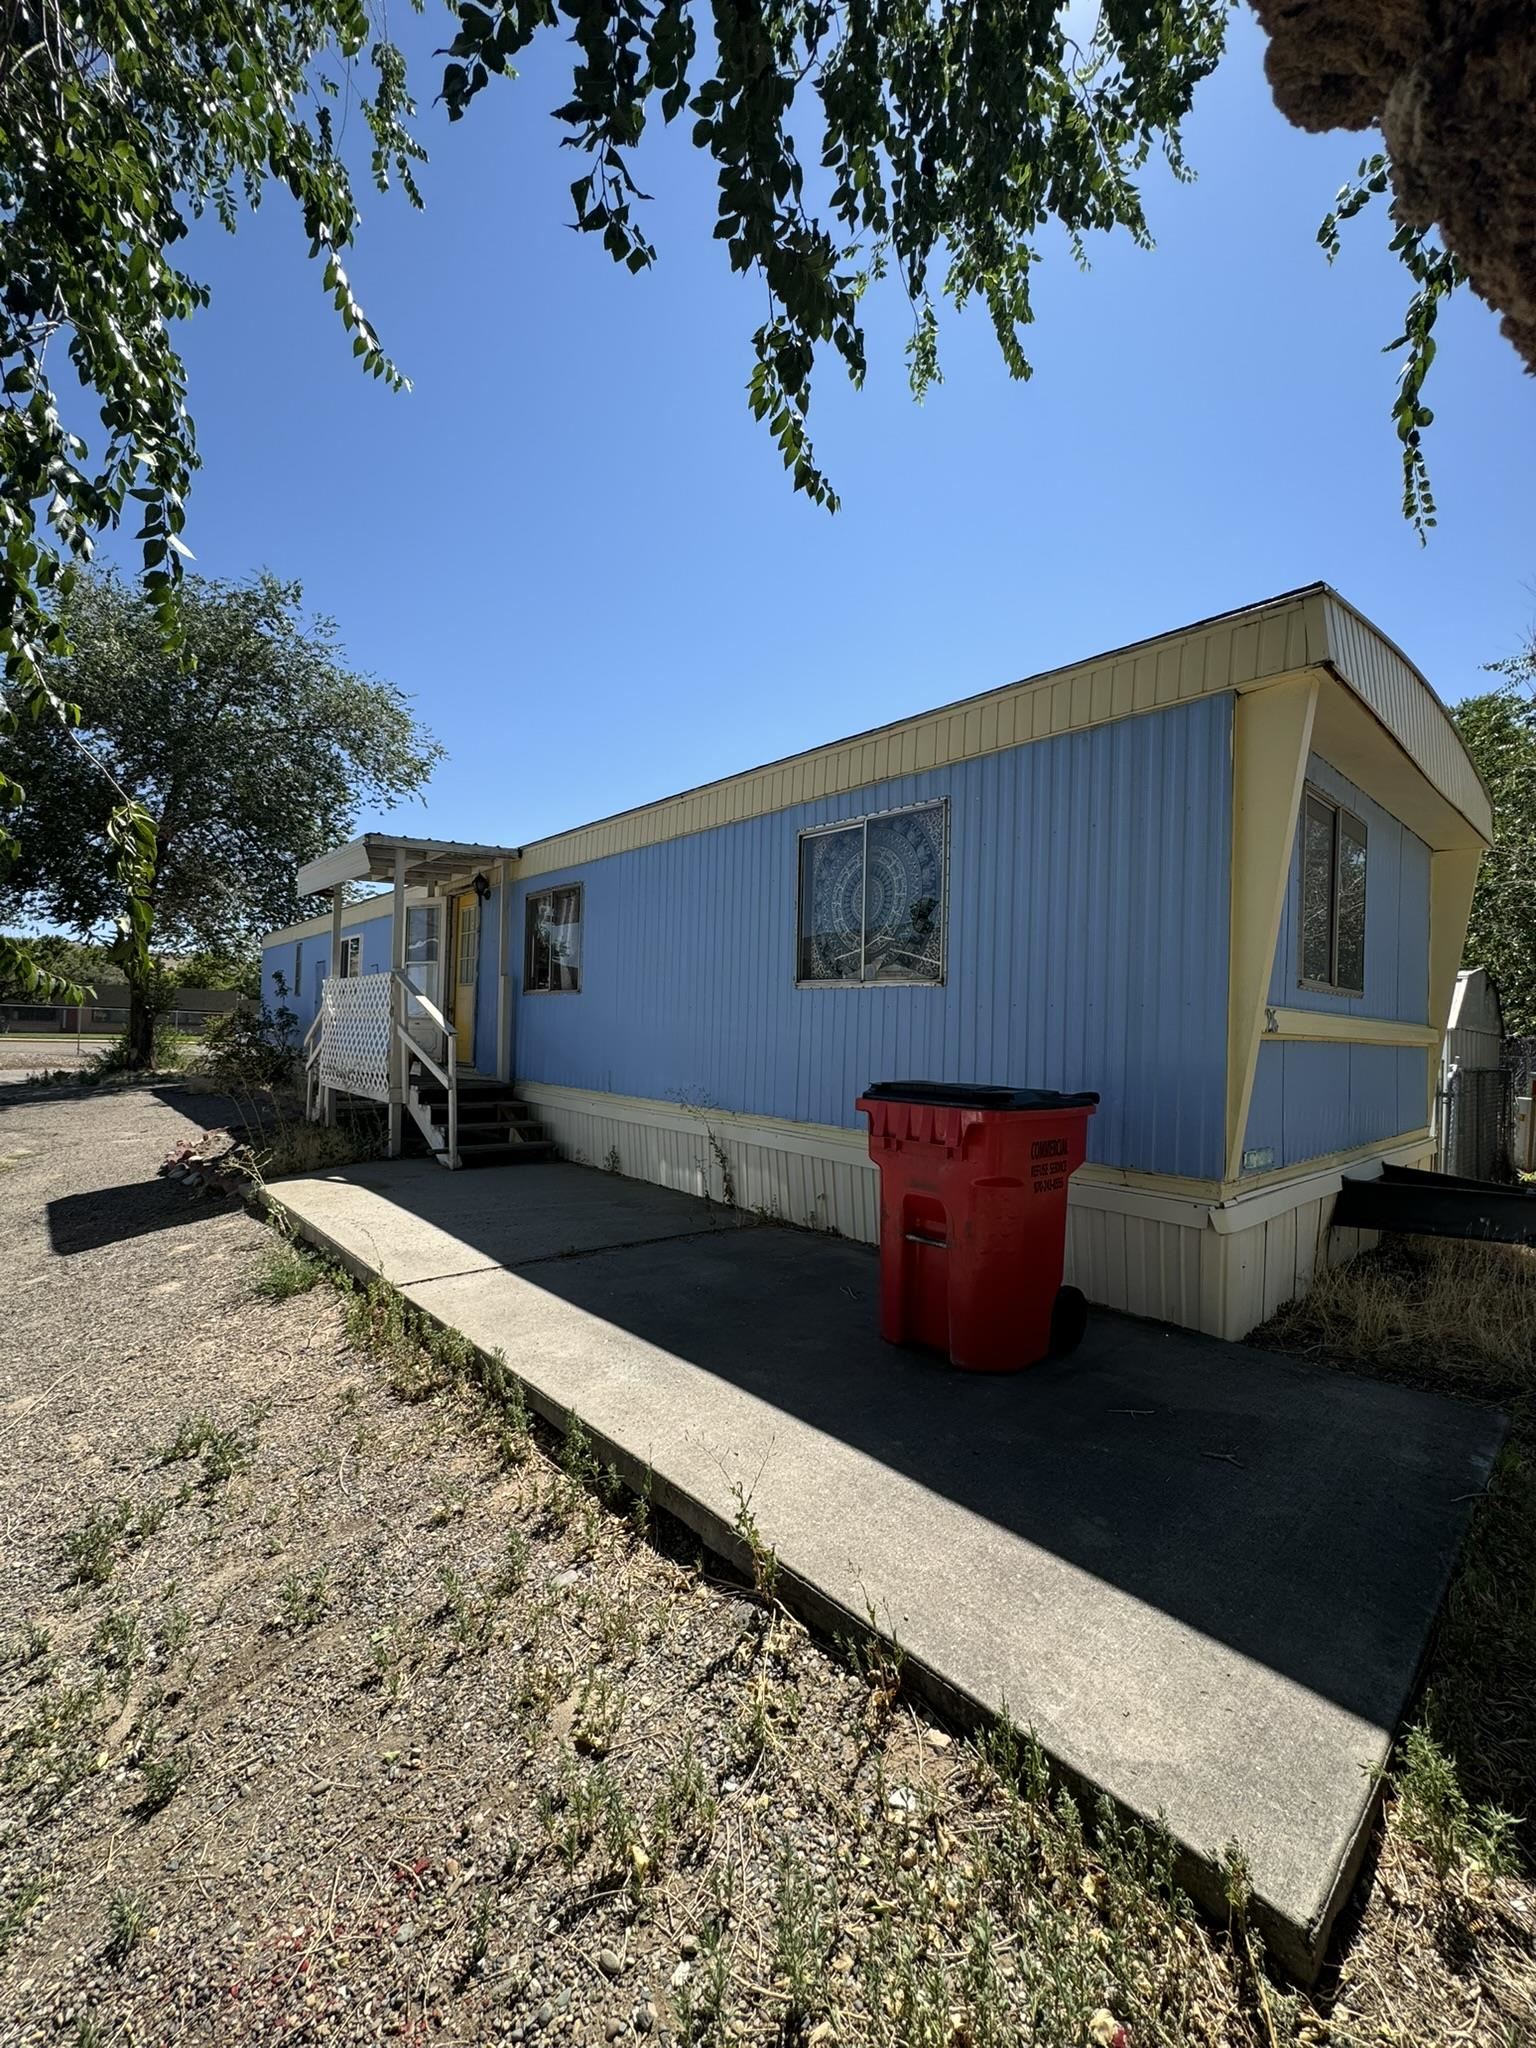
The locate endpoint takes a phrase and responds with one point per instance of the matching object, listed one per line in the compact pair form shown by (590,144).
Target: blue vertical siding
(279,962)
(377,933)
(1312,1098)
(316,955)
(1396,916)
(1086,948)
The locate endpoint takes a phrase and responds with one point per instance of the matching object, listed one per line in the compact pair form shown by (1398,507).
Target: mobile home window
(872,899)
(423,949)
(552,950)
(352,955)
(1332,897)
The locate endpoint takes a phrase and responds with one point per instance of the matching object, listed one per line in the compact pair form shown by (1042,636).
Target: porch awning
(372,859)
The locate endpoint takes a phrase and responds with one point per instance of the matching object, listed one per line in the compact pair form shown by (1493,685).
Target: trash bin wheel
(1069,1319)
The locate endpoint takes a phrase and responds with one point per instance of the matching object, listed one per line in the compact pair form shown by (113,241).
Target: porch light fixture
(482,887)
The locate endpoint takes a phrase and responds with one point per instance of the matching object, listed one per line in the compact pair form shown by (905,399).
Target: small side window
(352,956)
(552,942)
(1317,892)
(1349,947)
(1333,863)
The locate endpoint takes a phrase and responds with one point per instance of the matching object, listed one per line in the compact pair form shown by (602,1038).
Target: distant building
(193,1009)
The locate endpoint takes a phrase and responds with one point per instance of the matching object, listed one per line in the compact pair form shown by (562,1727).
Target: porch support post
(503,992)
(396,1046)
(338,904)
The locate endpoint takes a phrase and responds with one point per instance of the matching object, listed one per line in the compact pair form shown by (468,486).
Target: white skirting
(1222,1268)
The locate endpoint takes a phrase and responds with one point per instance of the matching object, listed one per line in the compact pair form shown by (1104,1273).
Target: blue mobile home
(1221,876)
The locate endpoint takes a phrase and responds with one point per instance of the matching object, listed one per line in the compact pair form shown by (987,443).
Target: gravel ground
(335,1708)
(20,1056)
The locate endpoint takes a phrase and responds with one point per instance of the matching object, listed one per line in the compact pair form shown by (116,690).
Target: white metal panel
(1279,1261)
(821,1180)
(349,863)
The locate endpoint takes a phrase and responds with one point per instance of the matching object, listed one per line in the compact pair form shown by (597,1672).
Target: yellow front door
(466,968)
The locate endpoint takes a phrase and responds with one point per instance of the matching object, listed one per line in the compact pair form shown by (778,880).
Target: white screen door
(424,966)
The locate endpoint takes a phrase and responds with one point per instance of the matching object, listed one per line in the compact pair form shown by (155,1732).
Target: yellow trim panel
(1271,736)
(1335,1025)
(1308,630)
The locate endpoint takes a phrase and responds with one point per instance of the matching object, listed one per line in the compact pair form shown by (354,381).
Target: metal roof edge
(1130,647)
(1337,597)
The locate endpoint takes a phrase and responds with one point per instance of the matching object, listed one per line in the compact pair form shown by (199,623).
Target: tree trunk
(1450,84)
(141,1023)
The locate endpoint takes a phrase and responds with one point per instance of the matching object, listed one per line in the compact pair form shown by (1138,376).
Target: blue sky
(574,548)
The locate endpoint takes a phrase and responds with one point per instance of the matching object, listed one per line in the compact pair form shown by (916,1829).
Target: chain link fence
(1519,1059)
(1476,1123)
(37,1020)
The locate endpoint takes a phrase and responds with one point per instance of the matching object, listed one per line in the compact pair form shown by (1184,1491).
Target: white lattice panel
(354,1035)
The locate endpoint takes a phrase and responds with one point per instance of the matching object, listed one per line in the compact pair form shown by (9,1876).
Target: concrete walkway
(1204,1575)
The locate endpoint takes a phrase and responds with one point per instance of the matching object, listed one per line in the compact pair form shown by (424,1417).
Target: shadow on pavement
(102,1216)
(1305,1518)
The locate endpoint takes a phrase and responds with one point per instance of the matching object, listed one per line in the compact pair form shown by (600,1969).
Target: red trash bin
(973,1218)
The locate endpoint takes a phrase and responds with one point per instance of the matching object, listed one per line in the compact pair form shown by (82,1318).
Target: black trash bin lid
(972,1095)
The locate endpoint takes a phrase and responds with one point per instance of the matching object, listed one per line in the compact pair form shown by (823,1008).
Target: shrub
(291,1144)
(253,1048)
(116,1057)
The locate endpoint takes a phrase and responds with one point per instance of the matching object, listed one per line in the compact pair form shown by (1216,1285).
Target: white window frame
(1341,816)
(868,818)
(350,964)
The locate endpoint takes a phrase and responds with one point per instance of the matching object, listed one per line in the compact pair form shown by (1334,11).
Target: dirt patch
(339,1707)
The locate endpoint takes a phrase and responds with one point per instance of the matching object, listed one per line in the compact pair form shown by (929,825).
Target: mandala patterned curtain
(871,898)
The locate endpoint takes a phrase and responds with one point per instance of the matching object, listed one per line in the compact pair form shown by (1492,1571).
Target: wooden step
(495,1127)
(481,1110)
(485,1130)
(473,1102)
(497,1152)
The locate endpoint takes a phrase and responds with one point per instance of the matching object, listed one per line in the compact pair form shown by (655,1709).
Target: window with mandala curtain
(872,899)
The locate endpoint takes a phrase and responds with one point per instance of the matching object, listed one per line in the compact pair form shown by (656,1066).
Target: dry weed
(1445,1314)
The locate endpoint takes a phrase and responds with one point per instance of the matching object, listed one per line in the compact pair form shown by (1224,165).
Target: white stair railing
(405,994)
(309,1052)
